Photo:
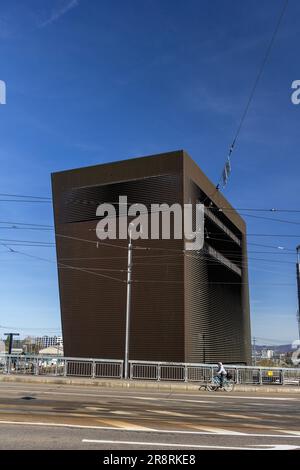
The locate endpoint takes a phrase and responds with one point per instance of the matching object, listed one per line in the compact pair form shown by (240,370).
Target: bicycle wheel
(210,387)
(228,386)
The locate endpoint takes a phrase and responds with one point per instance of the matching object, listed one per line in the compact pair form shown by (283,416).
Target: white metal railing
(143,370)
(190,372)
(61,366)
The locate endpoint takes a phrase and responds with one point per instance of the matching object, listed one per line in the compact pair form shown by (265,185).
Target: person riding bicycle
(221,373)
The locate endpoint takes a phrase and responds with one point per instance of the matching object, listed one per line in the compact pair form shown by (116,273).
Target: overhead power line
(4,327)
(227,167)
(25,241)
(59,264)
(285,221)
(25,224)
(258,77)
(296,235)
(23,196)
(273,209)
(25,200)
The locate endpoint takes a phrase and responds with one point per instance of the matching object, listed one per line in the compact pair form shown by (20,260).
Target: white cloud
(59,12)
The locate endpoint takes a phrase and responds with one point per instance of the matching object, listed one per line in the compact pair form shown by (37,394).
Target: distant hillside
(281,348)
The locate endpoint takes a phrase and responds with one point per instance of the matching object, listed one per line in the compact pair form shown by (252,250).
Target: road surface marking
(233,397)
(170,413)
(160,395)
(95,408)
(233,415)
(259,426)
(123,413)
(109,396)
(193,446)
(39,388)
(124,425)
(221,431)
(147,430)
(297,433)
(174,399)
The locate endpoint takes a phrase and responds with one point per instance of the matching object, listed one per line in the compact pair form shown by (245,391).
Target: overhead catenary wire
(60,264)
(259,75)
(26,224)
(279,284)
(137,247)
(24,196)
(2,327)
(24,200)
(251,209)
(220,208)
(252,93)
(285,221)
(63,265)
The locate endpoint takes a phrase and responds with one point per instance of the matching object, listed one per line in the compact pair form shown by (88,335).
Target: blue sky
(93,81)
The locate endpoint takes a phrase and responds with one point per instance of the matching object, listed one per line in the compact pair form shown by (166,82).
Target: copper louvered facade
(186,307)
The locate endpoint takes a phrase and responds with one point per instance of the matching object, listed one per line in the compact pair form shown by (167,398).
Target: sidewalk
(141,384)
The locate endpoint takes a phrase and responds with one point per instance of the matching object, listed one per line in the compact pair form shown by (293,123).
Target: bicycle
(214,385)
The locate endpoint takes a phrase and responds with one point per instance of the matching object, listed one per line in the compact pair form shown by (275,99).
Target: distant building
(52,351)
(267,354)
(17,351)
(47,341)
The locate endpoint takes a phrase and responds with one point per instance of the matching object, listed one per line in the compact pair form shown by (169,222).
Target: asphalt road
(42,416)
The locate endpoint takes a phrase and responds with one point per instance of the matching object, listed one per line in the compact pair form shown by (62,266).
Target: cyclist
(221,373)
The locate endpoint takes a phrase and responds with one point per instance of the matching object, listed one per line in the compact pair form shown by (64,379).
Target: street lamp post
(10,340)
(298,286)
(128,304)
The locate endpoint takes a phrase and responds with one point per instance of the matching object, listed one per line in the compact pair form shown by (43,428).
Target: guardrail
(61,366)
(185,372)
(143,370)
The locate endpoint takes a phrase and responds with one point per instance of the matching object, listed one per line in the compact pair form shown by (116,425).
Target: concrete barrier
(142,384)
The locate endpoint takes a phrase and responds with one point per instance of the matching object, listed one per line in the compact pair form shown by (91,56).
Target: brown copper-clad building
(185,306)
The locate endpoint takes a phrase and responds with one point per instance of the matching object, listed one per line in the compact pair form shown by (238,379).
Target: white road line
(170,413)
(148,430)
(192,446)
(236,415)
(121,425)
(106,396)
(95,408)
(296,433)
(175,399)
(159,397)
(220,431)
(230,397)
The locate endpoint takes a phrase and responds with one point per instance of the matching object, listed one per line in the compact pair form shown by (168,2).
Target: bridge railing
(190,372)
(61,366)
(143,370)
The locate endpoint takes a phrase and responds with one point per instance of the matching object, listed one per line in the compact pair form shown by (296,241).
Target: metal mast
(298,285)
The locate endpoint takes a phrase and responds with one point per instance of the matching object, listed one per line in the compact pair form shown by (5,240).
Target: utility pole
(298,285)
(203,345)
(10,340)
(254,351)
(128,304)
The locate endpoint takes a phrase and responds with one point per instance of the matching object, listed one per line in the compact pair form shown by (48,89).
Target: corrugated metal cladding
(80,204)
(216,307)
(185,307)
(93,307)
